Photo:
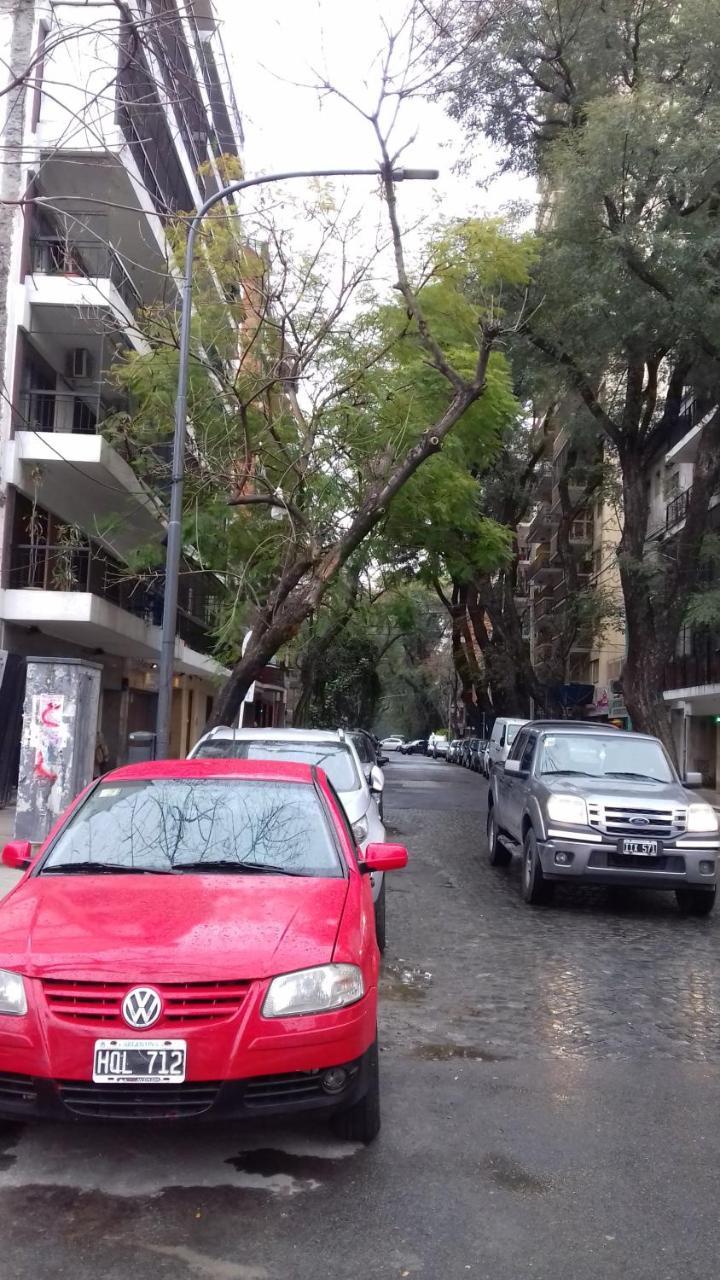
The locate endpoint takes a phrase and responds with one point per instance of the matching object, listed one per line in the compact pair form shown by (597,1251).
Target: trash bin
(141,746)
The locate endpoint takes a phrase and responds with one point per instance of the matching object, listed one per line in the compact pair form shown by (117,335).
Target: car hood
(656,795)
(169,929)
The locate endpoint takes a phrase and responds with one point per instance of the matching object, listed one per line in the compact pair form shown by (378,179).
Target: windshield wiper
(102,869)
(233,864)
(561,773)
(646,777)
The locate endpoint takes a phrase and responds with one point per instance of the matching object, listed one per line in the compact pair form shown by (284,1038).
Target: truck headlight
(571,809)
(12,993)
(329,986)
(701,817)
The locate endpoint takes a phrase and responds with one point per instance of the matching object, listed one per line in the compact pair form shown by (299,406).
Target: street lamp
(174,530)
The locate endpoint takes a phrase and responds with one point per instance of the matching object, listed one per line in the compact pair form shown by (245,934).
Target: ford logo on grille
(141,1007)
(640,822)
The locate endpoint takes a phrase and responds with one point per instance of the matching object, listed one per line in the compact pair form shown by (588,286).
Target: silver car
(330,750)
(592,805)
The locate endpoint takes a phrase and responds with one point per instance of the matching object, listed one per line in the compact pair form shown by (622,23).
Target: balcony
(62,411)
(677,509)
(539,566)
(86,260)
(74,591)
(694,670)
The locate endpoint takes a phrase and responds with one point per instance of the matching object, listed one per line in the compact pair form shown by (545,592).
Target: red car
(195,938)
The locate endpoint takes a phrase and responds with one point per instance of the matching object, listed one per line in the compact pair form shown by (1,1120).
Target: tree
(615,108)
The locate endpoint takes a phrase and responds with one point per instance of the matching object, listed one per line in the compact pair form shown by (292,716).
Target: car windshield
(175,824)
(598,755)
(334,757)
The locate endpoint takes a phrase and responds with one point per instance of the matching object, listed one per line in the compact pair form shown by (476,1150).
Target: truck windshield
(596,755)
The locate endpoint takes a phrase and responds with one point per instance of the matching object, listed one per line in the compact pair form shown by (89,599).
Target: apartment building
(118,125)
(692,679)
(585,669)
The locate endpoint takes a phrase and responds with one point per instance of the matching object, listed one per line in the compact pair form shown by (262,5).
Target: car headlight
(12,993)
(702,817)
(360,829)
(329,986)
(568,809)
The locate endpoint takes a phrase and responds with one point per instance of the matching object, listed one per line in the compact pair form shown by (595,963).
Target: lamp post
(174,530)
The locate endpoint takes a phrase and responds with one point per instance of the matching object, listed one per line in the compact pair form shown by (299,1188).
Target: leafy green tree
(615,107)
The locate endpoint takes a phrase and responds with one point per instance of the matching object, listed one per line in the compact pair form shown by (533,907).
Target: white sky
(276,45)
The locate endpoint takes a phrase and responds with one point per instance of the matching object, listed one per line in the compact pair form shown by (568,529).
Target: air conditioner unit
(79,363)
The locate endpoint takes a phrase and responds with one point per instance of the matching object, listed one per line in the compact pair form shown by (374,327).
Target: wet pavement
(551,1091)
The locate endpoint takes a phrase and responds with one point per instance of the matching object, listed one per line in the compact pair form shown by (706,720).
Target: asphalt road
(551,1101)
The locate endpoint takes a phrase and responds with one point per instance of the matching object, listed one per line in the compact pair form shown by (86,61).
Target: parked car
(330,750)
(587,804)
(370,758)
(416,747)
(438,745)
(504,732)
(465,752)
(453,750)
(195,939)
(476,751)
(393,743)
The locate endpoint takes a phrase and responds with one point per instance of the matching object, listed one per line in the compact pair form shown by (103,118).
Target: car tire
(536,890)
(498,853)
(380,919)
(361,1121)
(695,902)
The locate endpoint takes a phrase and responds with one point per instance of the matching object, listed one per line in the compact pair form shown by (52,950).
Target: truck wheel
(535,888)
(695,902)
(498,854)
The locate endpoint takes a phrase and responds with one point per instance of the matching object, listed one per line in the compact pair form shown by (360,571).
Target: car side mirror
(17,854)
(383,857)
(383,760)
(377,780)
(693,780)
(513,766)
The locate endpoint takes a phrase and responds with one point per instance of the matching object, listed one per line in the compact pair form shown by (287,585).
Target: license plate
(641,848)
(139,1061)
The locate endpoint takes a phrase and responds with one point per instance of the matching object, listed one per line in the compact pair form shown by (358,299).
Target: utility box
(141,746)
(57,752)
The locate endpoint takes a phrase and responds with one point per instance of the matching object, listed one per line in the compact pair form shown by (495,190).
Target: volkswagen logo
(141,1007)
(640,822)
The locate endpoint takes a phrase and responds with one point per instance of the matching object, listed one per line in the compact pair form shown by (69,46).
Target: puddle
(401,981)
(10,1133)
(271,1162)
(452,1052)
(511,1176)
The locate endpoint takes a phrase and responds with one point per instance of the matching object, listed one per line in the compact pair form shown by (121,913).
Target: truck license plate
(139,1061)
(641,848)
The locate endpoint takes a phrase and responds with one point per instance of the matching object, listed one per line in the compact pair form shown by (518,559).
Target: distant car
(476,751)
(393,743)
(504,732)
(465,751)
(452,754)
(370,758)
(327,749)
(485,759)
(439,746)
(195,938)
(416,747)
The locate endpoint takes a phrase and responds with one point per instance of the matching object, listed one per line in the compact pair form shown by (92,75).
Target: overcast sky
(277,44)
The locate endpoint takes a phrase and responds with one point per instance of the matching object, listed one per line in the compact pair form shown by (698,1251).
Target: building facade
(118,123)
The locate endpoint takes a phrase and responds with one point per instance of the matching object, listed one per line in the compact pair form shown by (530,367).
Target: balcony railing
(59,411)
(86,567)
(57,256)
(693,669)
(677,509)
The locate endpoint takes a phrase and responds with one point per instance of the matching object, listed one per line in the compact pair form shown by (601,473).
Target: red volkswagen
(195,938)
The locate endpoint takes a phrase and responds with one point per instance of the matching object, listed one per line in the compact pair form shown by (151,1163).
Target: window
(43,30)
(518,746)
(183,824)
(502,736)
(362,746)
(595,671)
(528,753)
(334,757)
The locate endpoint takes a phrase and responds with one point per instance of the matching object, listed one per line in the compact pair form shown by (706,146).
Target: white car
(504,732)
(393,743)
(438,745)
(329,749)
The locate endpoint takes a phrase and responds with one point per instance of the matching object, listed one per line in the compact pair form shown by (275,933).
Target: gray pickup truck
(594,805)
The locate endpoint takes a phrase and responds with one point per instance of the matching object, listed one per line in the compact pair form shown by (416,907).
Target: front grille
(18,1090)
(137,1102)
(670,862)
(637,820)
(100,1003)
(268,1091)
